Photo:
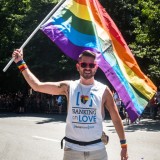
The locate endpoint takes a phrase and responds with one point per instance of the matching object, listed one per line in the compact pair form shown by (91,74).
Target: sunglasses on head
(85,65)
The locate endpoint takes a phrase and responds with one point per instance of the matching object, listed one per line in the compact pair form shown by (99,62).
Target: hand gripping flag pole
(35,31)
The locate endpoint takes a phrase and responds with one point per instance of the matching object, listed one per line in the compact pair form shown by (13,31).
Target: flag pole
(35,31)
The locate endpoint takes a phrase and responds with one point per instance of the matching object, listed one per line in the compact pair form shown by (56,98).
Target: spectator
(59,103)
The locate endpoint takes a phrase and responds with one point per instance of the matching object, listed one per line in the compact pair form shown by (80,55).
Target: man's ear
(96,66)
(77,66)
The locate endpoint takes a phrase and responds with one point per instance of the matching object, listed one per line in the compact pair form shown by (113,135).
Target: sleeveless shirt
(84,118)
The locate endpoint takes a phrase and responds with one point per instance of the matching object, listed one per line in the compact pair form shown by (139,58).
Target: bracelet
(123,145)
(123,141)
(22,65)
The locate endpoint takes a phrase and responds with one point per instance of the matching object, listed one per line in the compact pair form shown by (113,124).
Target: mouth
(87,72)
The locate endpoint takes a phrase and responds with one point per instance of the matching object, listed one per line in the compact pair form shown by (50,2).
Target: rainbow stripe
(84,24)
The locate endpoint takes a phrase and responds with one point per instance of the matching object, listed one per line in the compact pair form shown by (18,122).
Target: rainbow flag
(80,25)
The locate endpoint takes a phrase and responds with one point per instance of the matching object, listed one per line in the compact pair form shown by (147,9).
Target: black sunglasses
(85,65)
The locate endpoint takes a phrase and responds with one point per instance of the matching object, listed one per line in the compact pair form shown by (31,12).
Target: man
(59,103)
(86,101)
(158,96)
(117,100)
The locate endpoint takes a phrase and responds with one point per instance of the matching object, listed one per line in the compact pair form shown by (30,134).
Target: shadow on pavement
(54,118)
(147,125)
(48,118)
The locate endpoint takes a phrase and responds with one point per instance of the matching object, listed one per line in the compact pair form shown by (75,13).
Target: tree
(147,41)
(19,19)
(139,24)
(137,20)
(11,15)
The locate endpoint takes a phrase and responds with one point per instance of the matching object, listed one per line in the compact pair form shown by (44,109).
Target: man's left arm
(116,119)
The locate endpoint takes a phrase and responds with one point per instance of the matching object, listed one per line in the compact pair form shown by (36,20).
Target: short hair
(87,53)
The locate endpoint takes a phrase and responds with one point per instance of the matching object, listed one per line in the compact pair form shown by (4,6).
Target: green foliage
(137,20)
(139,23)
(147,40)
(19,19)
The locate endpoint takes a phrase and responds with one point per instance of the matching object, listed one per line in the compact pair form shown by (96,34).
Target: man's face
(87,67)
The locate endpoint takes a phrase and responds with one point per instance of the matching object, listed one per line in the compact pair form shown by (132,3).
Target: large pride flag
(80,25)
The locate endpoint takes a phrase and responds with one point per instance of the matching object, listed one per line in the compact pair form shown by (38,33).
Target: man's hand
(17,55)
(124,154)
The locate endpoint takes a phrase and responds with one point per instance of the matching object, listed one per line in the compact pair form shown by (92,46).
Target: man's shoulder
(74,81)
(100,86)
(98,83)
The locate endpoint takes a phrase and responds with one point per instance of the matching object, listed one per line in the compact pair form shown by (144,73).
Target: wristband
(21,65)
(123,141)
(123,145)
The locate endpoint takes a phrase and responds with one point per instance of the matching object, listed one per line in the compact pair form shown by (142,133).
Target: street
(38,136)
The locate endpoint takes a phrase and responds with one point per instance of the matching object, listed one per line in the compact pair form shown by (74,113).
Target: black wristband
(123,141)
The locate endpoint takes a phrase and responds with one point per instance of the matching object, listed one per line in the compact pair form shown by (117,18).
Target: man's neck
(86,81)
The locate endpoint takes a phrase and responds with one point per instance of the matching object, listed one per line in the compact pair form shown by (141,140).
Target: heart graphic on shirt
(84,99)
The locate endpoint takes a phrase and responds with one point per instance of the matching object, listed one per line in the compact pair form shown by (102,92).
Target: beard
(87,74)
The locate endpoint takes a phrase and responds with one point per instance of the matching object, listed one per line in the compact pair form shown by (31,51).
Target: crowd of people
(32,103)
(35,102)
(152,110)
(154,106)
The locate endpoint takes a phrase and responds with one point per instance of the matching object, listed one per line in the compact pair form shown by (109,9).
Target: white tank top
(84,119)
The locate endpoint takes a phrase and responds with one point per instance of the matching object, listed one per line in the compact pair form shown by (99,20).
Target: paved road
(37,137)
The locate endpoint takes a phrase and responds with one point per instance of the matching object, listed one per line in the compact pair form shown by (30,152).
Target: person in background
(117,100)
(153,108)
(59,103)
(158,97)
